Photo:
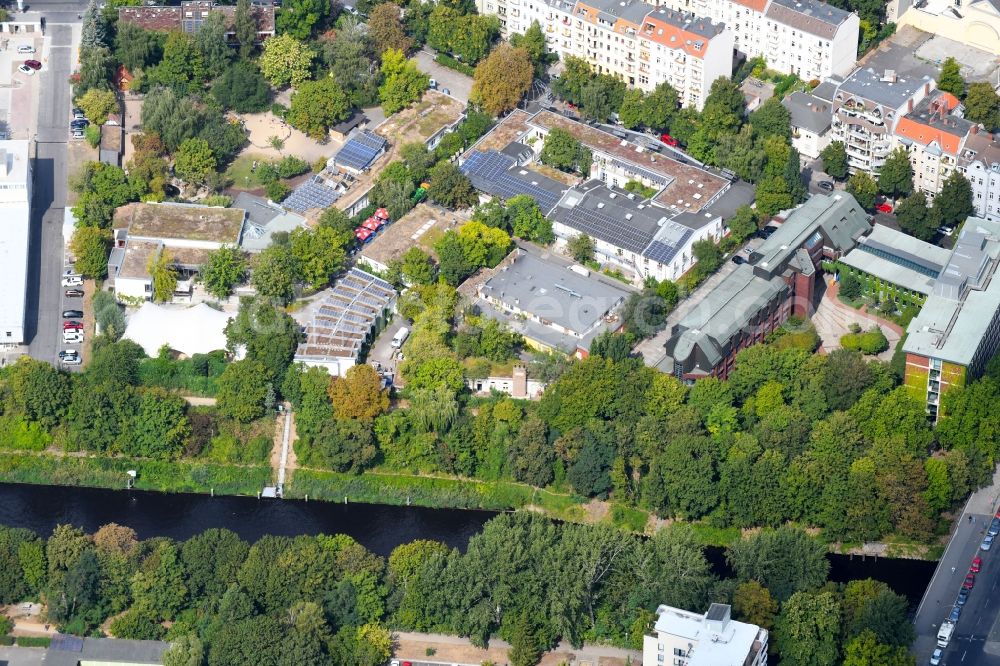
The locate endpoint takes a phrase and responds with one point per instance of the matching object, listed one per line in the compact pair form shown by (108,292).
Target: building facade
(810,118)
(15,223)
(682,638)
(191,14)
(639,43)
(980,164)
(933,137)
(958,329)
(866,109)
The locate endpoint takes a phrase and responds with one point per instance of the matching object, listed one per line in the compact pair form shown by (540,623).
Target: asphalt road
(459,85)
(976,641)
(45,265)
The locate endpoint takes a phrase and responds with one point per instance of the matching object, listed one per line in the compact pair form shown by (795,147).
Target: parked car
(970,581)
(977,564)
(72,360)
(766,232)
(884,207)
(446,91)
(994,528)
(79,122)
(73,338)
(825,185)
(936,657)
(963,596)
(24,69)
(68,352)
(78,112)
(72,281)
(737,259)
(73,293)
(33,64)
(25,48)
(77,134)
(987,542)
(72,314)
(71,325)
(956,611)
(669,140)
(432,84)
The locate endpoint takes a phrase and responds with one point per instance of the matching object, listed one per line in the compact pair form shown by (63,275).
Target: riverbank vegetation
(527,579)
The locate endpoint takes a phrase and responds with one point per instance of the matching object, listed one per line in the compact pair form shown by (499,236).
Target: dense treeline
(325,599)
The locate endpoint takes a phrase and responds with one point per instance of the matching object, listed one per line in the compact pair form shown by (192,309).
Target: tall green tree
(834,158)
(950,78)
(785,560)
(225,268)
(807,629)
(953,204)
(895,178)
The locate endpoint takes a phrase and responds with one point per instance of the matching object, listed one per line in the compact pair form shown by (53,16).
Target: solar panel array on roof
(490,172)
(663,253)
(610,230)
(311,194)
(66,643)
(360,151)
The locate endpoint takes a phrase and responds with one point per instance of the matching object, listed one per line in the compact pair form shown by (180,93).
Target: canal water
(377,527)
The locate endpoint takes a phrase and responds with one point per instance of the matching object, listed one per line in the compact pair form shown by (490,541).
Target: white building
(810,118)
(980,164)
(933,137)
(683,638)
(15,225)
(639,43)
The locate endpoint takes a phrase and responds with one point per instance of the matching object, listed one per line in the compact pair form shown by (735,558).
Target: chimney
(974,129)
(927,88)
(519,375)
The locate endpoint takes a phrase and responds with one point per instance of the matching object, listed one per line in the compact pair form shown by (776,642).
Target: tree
(351,55)
(531,455)
(807,629)
(102,188)
(39,391)
(160,268)
(953,204)
(245,27)
(418,267)
(865,650)
(98,104)
(136,48)
(527,220)
(241,390)
(137,624)
(275,271)
(785,560)
(93,34)
(185,650)
(914,217)
(450,187)
(211,561)
(562,151)
(194,161)
(402,82)
(950,79)
(753,603)
(318,105)
(772,119)
(242,88)
(982,105)
(524,647)
(581,248)
(96,68)
(834,158)
(213,45)
(895,178)
(533,41)
(660,106)
(453,265)
(286,60)
(225,268)
(89,246)
(773,195)
(589,473)
(301,18)
(359,394)
(385,29)
(502,79)
(182,65)
(319,254)
(863,188)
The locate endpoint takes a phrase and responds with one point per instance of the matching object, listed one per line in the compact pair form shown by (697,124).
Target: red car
(669,140)
(970,581)
(33,64)
(884,208)
(977,564)
(72,326)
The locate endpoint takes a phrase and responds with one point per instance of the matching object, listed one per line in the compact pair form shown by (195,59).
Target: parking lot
(459,85)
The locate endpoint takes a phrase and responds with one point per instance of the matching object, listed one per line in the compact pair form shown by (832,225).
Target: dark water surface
(377,527)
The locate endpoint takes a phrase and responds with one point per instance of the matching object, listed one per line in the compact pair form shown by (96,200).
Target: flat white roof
(15,225)
(730,648)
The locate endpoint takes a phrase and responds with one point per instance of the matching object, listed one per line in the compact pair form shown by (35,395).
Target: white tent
(195,330)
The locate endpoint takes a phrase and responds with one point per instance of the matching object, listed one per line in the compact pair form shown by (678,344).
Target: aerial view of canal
(378,527)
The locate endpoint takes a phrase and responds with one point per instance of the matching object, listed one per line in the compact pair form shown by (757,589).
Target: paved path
(286,418)
(833,318)
(459,85)
(977,636)
(588,652)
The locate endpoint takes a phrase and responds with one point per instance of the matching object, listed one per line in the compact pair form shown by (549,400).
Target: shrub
(137,625)
(277,191)
(33,641)
(19,434)
(218,200)
(451,63)
(279,110)
(872,341)
(93,135)
(292,166)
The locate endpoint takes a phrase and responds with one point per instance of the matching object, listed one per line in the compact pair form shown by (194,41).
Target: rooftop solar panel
(311,194)
(490,172)
(360,151)
(67,643)
(606,228)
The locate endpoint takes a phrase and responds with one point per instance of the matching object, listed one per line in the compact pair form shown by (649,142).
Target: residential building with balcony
(641,44)
(190,15)
(866,110)
(980,164)
(682,638)
(810,118)
(958,329)
(933,136)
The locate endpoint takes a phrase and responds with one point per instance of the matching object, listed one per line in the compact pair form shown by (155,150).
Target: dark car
(73,293)
(72,314)
(766,232)
(963,596)
(737,259)
(79,122)
(825,185)
(970,581)
(955,612)
(33,64)
(68,353)
(994,527)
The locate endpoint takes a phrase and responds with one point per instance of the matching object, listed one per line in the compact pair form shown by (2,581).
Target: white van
(400,337)
(944,633)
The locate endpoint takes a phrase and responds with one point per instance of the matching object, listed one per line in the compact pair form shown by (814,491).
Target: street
(45,265)
(976,641)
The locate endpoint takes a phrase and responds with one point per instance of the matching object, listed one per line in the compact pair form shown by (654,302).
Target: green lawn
(239,172)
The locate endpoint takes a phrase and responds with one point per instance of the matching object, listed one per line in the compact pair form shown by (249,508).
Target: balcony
(644,55)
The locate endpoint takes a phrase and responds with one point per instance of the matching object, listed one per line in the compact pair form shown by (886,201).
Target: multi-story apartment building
(980,164)
(683,638)
(933,136)
(958,329)
(15,211)
(641,44)
(866,110)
